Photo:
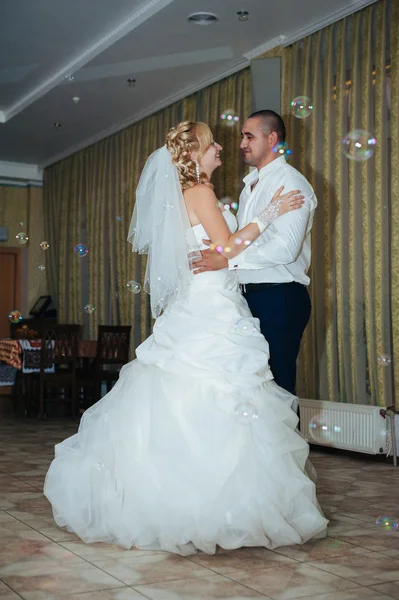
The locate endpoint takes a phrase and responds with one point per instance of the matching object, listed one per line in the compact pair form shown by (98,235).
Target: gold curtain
(21,210)
(89,199)
(350,71)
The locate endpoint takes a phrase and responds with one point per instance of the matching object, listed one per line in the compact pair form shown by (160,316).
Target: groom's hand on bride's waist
(210,260)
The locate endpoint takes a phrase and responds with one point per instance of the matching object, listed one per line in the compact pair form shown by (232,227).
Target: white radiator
(347,426)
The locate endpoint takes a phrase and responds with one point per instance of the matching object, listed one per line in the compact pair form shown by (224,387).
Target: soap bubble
(22,238)
(15,316)
(89,309)
(229,117)
(234,205)
(321,430)
(246,413)
(245,327)
(358,145)
(42,267)
(384,360)
(119,218)
(387,523)
(301,107)
(44,245)
(133,287)
(81,250)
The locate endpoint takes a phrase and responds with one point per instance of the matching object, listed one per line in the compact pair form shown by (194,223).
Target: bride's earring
(198,171)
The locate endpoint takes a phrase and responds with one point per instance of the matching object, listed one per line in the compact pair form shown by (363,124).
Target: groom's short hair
(272,122)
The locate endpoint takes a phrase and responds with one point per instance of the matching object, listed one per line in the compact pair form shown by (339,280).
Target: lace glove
(267,215)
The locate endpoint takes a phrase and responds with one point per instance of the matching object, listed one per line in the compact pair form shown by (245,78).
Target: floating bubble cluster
(358,145)
(44,245)
(42,267)
(133,287)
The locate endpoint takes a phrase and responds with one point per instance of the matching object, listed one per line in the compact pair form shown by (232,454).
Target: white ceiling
(104,42)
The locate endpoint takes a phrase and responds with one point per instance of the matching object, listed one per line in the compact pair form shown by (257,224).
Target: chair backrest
(113,344)
(60,344)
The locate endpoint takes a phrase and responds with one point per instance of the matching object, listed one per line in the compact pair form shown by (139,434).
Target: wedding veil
(160,227)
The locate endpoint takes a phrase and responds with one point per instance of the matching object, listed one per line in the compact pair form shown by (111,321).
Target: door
(10,295)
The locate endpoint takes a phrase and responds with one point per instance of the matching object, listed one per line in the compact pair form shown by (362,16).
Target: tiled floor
(358,561)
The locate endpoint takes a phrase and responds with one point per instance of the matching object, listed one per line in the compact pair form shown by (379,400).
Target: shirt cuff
(236,263)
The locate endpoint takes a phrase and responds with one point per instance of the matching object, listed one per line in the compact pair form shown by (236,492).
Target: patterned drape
(350,71)
(89,199)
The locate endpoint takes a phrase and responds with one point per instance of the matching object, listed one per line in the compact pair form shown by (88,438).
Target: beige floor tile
(288,582)
(344,523)
(101,551)
(372,539)
(8,484)
(213,587)
(321,549)
(6,593)
(53,532)
(55,580)
(364,569)
(390,589)
(151,569)
(239,560)
(28,546)
(361,593)
(124,593)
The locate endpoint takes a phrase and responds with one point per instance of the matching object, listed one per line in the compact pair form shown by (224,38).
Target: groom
(273,270)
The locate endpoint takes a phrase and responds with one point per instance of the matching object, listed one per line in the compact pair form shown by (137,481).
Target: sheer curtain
(350,71)
(89,199)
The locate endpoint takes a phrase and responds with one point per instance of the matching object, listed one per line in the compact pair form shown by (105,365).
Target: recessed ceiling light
(203,18)
(70,77)
(243,15)
(131,82)
(76,99)
(57,124)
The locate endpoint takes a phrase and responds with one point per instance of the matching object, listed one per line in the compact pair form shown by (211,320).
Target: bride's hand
(290,201)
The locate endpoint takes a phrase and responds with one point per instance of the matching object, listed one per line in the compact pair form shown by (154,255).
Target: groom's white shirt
(282,252)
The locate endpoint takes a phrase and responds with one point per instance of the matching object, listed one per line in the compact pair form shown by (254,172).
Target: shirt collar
(256,175)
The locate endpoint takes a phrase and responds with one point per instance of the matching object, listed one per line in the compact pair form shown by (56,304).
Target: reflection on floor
(357,561)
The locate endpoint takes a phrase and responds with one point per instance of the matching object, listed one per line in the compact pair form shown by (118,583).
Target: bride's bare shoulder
(201,192)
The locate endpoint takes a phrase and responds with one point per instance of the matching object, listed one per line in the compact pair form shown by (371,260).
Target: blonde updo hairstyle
(181,141)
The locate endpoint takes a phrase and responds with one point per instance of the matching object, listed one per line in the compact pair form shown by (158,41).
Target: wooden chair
(60,346)
(113,343)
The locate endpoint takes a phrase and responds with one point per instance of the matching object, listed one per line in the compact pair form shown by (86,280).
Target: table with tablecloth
(17,355)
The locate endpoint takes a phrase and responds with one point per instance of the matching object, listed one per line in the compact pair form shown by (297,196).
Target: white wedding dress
(195,446)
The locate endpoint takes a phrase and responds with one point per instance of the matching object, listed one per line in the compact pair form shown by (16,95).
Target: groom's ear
(273,139)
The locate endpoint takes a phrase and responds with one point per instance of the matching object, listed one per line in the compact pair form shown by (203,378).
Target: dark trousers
(283,311)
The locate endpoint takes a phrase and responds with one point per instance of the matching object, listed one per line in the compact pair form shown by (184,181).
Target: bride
(195,446)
